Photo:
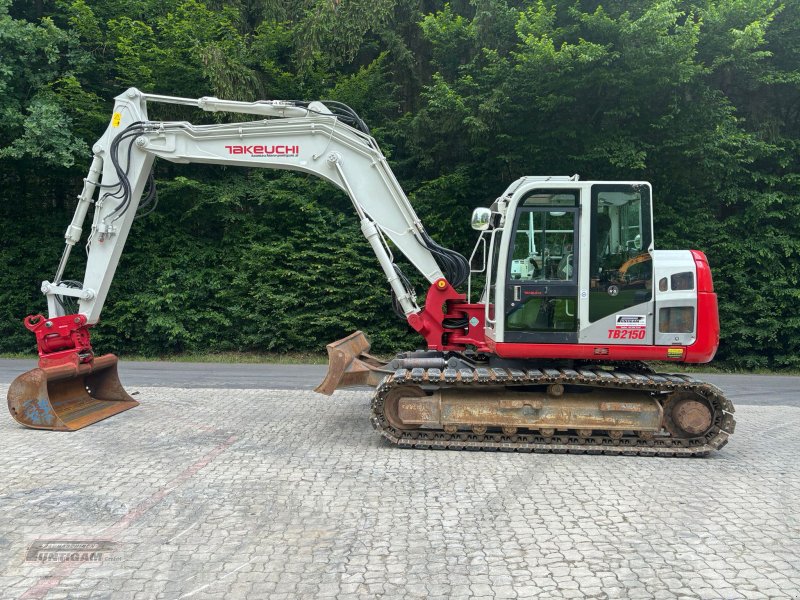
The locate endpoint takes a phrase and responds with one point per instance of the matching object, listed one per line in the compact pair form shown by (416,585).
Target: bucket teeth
(349,364)
(68,396)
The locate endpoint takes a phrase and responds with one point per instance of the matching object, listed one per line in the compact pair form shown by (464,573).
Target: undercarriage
(591,410)
(450,400)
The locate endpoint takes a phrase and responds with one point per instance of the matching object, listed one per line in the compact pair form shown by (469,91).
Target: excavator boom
(72,388)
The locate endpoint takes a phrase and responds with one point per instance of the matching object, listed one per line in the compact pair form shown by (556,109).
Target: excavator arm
(310,139)
(325,140)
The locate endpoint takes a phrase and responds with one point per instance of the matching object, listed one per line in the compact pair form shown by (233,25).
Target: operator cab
(572,262)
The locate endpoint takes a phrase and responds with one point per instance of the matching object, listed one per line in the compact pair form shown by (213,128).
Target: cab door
(541,292)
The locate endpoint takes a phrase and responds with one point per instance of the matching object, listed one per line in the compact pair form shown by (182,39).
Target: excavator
(550,356)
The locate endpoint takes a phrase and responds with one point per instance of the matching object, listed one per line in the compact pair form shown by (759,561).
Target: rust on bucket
(69,396)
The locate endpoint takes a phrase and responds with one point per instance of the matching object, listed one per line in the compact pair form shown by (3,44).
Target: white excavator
(549,357)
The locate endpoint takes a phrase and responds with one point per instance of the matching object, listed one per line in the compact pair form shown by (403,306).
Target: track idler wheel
(391,406)
(687,415)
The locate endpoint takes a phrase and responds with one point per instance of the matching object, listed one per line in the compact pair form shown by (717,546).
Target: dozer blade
(350,365)
(68,397)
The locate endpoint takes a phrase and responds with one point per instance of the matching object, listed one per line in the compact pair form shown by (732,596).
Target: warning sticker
(631,320)
(674,352)
(115,119)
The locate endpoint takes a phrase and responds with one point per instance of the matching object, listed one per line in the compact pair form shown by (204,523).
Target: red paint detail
(472,336)
(705,283)
(701,351)
(65,341)
(445,303)
(629,333)
(707,341)
(581,351)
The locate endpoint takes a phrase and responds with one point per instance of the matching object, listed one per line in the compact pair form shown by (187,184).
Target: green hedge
(699,98)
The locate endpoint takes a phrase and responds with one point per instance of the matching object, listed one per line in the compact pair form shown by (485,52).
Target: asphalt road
(199,375)
(759,390)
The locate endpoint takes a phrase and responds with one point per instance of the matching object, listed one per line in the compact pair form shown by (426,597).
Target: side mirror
(481,218)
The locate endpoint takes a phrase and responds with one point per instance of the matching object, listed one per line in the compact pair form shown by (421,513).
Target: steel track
(660,384)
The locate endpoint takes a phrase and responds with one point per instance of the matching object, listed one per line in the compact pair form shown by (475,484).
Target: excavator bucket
(67,397)
(349,364)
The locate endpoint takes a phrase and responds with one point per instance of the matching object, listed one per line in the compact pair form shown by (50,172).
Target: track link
(716,437)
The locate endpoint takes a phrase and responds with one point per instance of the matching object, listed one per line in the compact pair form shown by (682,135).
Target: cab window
(620,265)
(543,246)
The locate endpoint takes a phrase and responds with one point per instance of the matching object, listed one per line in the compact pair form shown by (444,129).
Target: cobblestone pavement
(286,494)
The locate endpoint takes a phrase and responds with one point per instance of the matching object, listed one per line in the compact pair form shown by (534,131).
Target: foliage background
(702,98)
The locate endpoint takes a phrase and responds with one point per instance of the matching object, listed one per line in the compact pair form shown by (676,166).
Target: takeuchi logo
(262,150)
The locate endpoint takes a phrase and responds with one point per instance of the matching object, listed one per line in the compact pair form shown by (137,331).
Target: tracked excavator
(551,355)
